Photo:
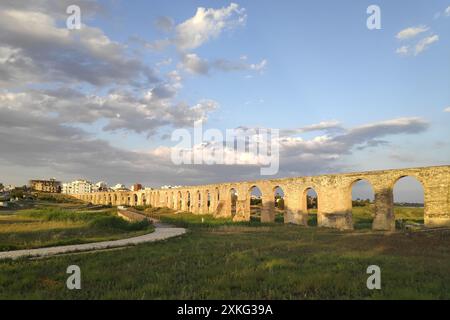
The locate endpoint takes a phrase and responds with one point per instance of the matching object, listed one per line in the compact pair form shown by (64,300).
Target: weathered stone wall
(334,197)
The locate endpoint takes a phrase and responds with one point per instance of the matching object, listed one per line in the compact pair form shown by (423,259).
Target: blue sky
(101,101)
(323,63)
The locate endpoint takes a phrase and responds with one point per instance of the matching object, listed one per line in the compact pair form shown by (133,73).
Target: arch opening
(408,202)
(199,201)
(234,197)
(208,200)
(188,201)
(279,205)
(180,201)
(311,205)
(255,203)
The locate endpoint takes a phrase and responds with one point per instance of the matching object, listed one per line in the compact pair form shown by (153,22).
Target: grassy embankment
(52,223)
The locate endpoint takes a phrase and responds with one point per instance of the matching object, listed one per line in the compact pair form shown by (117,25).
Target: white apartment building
(100,186)
(77,187)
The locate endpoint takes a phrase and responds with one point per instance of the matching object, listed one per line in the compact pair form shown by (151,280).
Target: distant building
(4,196)
(50,186)
(170,187)
(9,187)
(79,186)
(120,187)
(100,187)
(136,187)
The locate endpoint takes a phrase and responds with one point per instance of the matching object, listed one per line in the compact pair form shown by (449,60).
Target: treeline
(361,202)
(409,204)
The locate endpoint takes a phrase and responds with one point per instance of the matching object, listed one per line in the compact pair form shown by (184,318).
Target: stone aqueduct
(334,193)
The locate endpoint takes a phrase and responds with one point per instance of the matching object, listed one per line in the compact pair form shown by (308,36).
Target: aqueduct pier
(334,197)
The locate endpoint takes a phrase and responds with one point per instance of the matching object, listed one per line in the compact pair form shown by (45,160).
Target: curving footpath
(162,232)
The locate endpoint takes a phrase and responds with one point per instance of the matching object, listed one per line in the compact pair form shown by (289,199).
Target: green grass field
(53,224)
(218,259)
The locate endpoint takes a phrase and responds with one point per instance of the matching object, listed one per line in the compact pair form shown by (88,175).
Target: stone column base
(335,221)
(436,222)
(383,223)
(296,218)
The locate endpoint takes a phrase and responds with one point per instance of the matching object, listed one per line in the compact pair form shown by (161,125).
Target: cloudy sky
(102,101)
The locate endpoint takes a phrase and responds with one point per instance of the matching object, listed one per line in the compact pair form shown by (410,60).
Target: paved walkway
(162,232)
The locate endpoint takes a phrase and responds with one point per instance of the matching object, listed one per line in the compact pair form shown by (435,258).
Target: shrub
(55,197)
(118,223)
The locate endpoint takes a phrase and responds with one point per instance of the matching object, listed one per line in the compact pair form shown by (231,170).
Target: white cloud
(36,49)
(327,126)
(192,63)
(411,32)
(447,11)
(155,110)
(419,47)
(207,24)
(164,62)
(403,50)
(425,43)
(35,138)
(447,109)
(259,66)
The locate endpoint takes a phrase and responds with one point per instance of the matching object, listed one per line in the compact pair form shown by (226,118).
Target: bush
(118,223)
(55,197)
(142,208)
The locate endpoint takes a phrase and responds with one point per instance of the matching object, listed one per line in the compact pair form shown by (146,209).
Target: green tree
(17,193)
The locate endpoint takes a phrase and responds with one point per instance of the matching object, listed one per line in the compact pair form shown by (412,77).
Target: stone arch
(207,201)
(222,206)
(233,194)
(255,202)
(279,199)
(215,200)
(188,201)
(362,211)
(415,176)
(197,201)
(170,200)
(310,204)
(179,201)
(405,210)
